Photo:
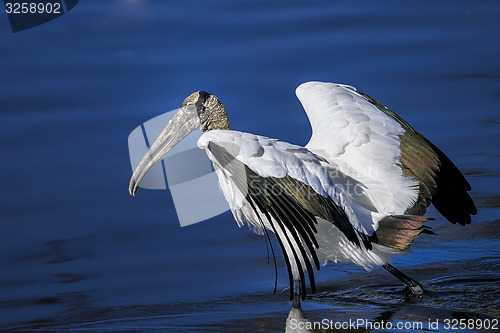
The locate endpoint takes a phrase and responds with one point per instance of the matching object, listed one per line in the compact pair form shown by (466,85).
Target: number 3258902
(32,8)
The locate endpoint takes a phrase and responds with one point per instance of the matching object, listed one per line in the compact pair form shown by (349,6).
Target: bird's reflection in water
(297,322)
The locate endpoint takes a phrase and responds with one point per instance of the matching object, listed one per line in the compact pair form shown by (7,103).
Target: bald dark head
(211,111)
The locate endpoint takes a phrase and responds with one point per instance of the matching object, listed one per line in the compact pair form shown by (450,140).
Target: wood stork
(355,193)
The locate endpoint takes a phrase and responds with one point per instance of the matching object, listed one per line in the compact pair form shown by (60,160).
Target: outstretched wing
(282,187)
(369,141)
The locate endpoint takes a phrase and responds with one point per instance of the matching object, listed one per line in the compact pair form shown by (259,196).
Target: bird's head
(200,110)
(211,112)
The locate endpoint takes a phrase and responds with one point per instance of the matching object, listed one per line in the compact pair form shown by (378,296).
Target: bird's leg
(296,294)
(414,286)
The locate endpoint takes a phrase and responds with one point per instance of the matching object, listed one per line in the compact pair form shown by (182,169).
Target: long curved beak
(185,121)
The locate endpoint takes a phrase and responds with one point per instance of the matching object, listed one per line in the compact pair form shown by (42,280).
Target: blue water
(78,253)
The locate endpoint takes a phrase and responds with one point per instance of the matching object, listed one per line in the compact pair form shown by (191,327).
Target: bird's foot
(415,290)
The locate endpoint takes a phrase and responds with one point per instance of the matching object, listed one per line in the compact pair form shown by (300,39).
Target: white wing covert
(361,140)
